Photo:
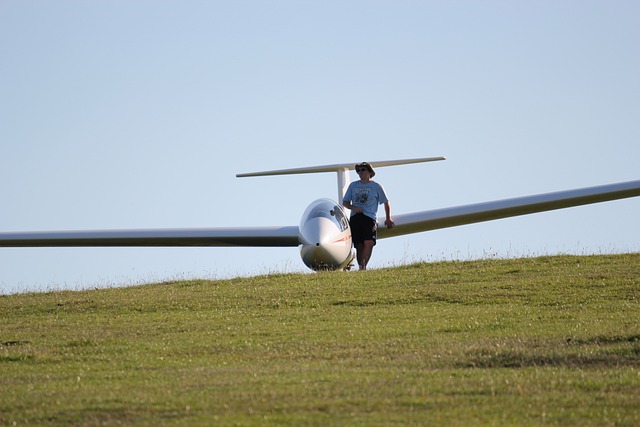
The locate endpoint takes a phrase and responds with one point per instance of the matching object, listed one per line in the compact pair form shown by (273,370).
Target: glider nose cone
(320,250)
(317,257)
(325,236)
(316,231)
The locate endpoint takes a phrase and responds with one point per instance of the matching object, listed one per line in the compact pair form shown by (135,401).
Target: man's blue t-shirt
(366,196)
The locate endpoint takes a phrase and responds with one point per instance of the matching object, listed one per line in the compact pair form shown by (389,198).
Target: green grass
(549,340)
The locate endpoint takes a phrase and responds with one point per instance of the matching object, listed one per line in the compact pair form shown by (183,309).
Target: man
(363,198)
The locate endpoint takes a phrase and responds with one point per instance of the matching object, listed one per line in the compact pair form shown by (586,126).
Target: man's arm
(387,211)
(349,206)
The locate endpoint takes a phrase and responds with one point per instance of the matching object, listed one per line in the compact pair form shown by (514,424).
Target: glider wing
(468,214)
(239,236)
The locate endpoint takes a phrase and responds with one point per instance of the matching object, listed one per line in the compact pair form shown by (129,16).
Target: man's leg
(359,252)
(364,250)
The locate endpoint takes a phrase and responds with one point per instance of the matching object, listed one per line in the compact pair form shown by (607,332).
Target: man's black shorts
(363,228)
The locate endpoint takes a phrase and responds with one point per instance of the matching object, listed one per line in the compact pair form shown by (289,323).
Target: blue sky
(138,114)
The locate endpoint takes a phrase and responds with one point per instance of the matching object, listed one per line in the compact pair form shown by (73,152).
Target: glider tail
(342,169)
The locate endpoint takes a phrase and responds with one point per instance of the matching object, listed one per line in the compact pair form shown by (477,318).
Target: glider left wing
(238,236)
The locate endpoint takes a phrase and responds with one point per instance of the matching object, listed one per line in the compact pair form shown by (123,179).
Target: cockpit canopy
(326,208)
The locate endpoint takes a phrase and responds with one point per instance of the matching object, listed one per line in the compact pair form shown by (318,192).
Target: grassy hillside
(550,340)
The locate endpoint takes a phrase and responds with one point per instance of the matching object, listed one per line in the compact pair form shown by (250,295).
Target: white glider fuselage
(325,236)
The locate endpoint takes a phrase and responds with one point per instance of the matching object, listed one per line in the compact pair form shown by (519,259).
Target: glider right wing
(468,214)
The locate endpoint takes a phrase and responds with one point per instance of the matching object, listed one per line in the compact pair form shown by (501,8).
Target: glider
(323,234)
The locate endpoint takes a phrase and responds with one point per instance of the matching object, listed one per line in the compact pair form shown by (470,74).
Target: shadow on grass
(603,352)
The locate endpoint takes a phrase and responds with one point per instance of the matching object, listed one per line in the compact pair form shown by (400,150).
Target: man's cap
(366,165)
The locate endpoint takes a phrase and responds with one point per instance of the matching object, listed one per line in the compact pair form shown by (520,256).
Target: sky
(139,114)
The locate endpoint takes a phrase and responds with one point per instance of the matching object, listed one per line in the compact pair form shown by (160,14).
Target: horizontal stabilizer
(338,167)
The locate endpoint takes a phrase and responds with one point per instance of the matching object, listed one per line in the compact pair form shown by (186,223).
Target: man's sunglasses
(358,170)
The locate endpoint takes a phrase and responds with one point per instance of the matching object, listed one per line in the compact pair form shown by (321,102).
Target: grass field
(548,340)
